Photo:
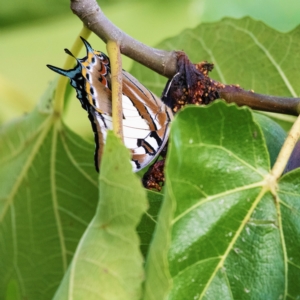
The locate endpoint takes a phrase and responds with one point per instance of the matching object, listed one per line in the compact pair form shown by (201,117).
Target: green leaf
(107,263)
(285,121)
(48,196)
(220,231)
(149,220)
(12,291)
(273,133)
(289,195)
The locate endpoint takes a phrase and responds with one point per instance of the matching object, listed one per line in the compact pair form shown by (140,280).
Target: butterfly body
(146,118)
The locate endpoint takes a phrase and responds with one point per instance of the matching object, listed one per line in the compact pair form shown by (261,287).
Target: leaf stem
(59,96)
(114,54)
(286,150)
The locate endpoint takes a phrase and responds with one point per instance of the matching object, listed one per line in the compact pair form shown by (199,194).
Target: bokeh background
(34,33)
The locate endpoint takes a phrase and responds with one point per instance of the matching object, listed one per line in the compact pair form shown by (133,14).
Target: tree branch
(166,62)
(232,93)
(160,61)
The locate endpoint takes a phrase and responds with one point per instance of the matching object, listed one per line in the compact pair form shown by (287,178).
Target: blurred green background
(34,33)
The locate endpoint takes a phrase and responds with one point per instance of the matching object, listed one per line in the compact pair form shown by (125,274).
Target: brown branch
(232,93)
(160,61)
(166,62)
(192,85)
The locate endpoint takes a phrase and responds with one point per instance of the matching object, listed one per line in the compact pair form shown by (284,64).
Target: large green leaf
(107,263)
(289,213)
(224,234)
(149,220)
(48,196)
(273,133)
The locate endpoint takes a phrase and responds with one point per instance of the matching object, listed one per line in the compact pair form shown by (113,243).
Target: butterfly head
(93,59)
(89,77)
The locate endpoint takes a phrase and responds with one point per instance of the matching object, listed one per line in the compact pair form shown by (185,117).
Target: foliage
(223,231)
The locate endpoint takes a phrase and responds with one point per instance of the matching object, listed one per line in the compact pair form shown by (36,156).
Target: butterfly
(146,118)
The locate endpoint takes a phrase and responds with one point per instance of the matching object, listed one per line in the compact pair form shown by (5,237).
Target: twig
(231,93)
(160,61)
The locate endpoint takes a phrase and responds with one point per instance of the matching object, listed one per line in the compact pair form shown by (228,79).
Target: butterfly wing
(145,117)
(145,122)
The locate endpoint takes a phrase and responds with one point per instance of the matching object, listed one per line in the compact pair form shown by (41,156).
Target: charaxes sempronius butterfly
(145,117)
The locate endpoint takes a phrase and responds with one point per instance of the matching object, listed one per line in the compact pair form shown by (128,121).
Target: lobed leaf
(224,232)
(288,199)
(47,198)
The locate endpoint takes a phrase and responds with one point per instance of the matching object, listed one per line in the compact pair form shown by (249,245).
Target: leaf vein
(235,237)
(211,198)
(269,56)
(211,55)
(54,197)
